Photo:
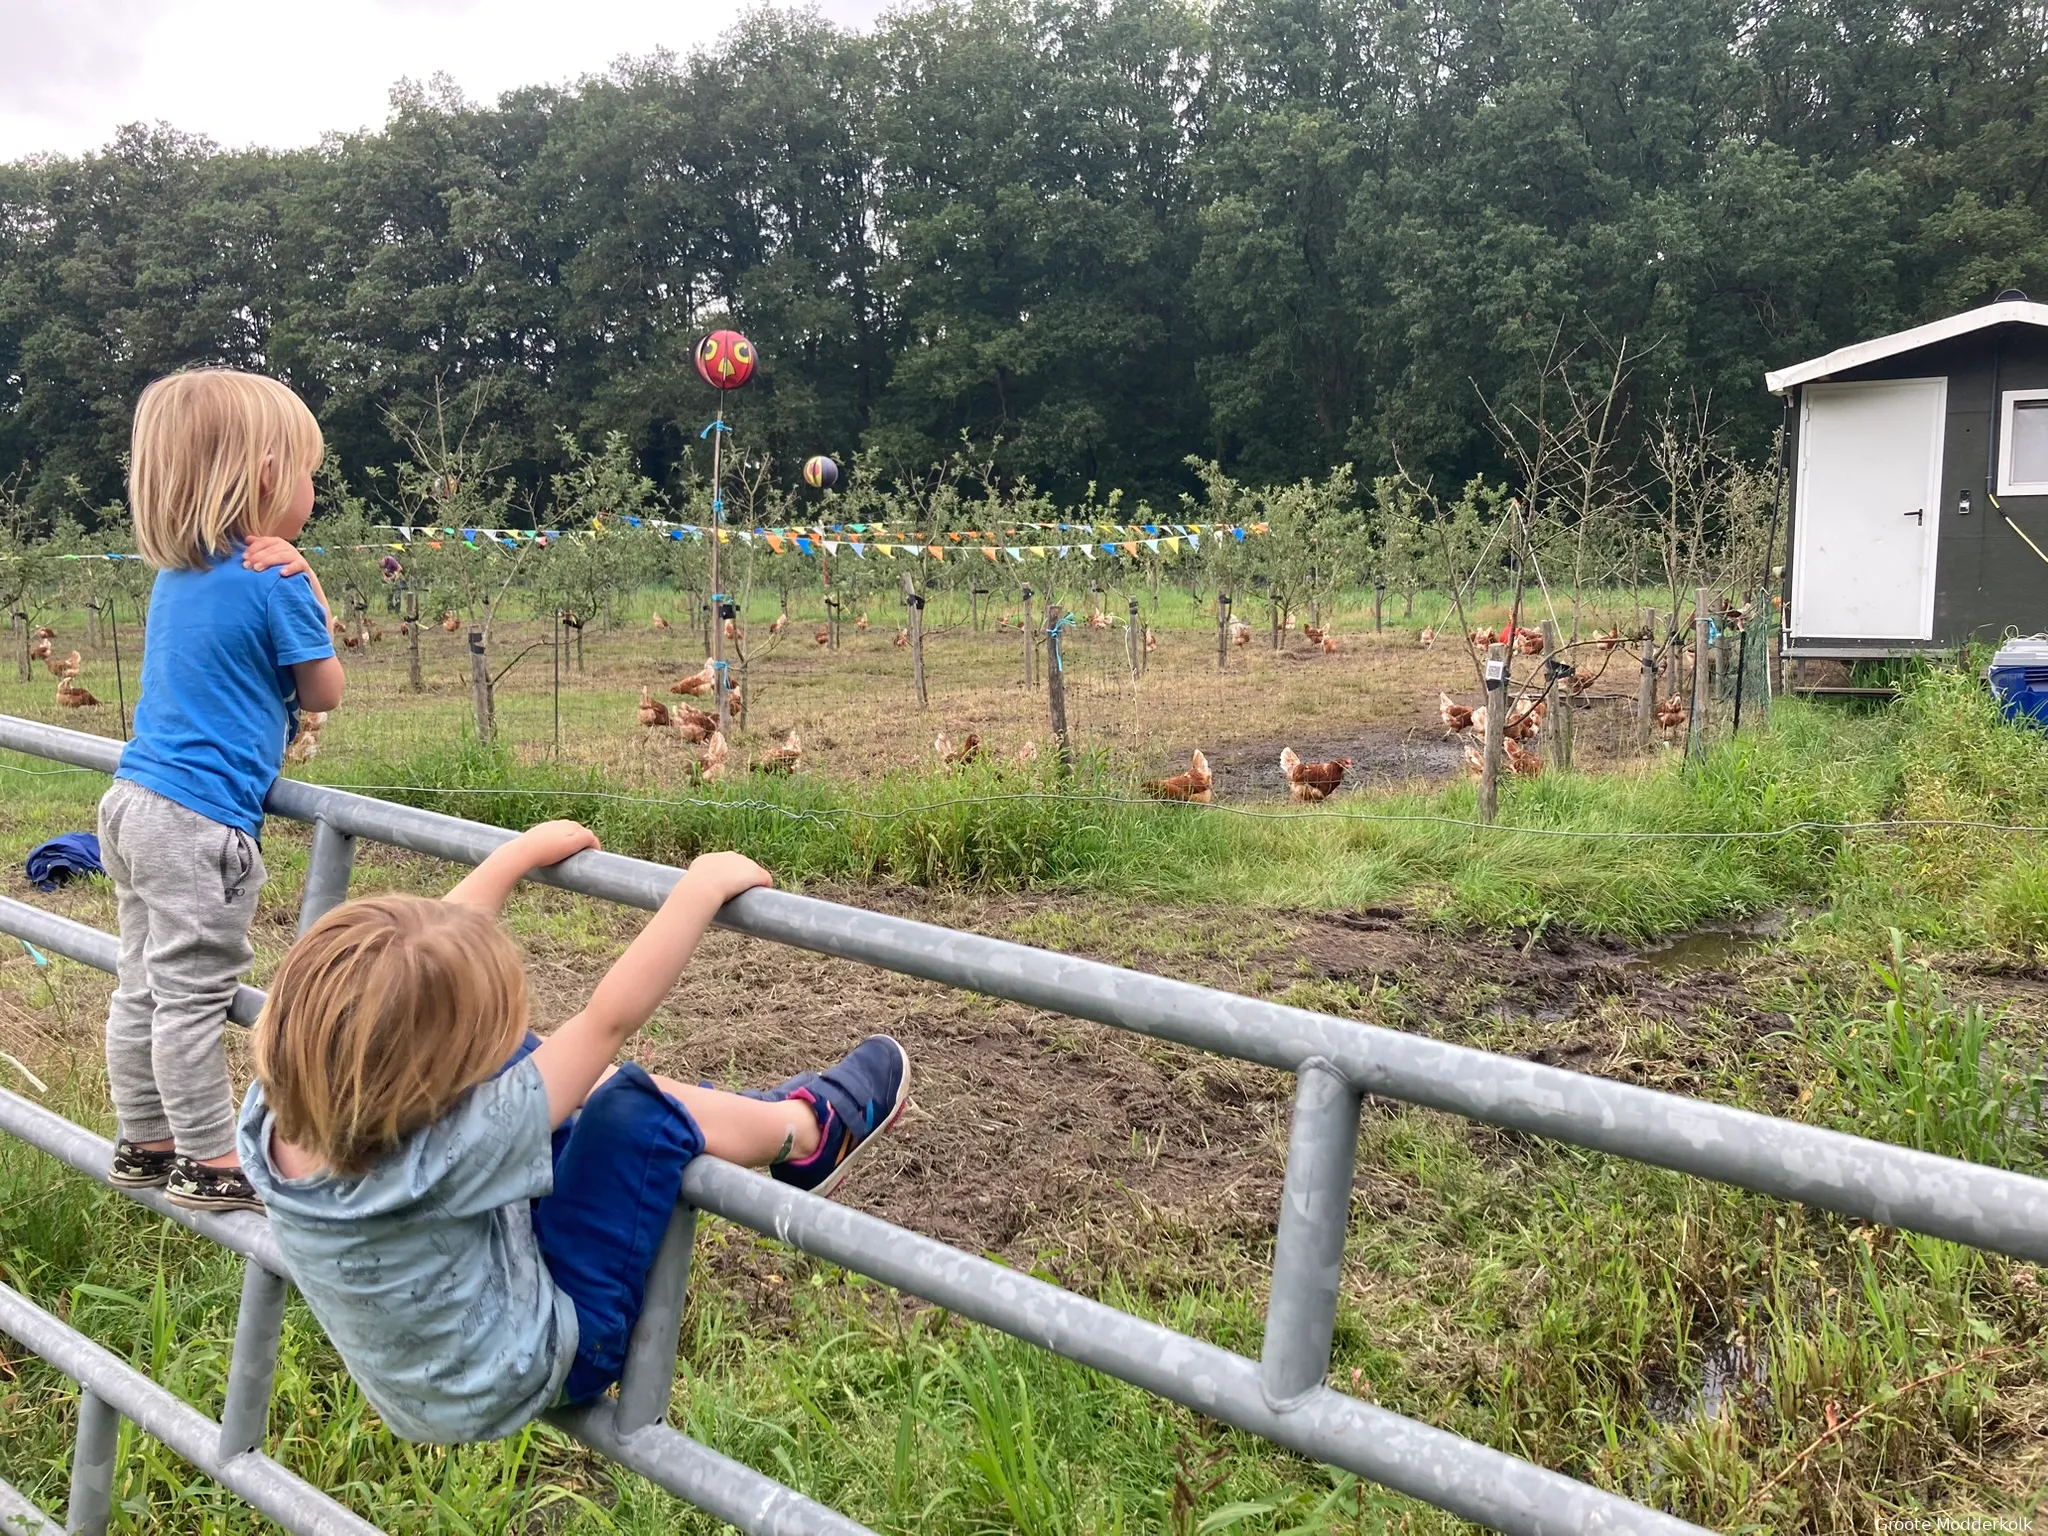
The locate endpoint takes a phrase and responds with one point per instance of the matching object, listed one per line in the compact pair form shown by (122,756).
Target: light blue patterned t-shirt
(425,1272)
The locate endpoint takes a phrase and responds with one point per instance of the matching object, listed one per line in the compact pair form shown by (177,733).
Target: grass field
(1750,1365)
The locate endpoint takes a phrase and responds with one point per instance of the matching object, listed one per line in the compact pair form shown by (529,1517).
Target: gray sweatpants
(186,889)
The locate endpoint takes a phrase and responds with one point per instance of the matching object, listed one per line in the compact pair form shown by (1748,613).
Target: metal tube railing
(19,1516)
(1872,1181)
(117,1387)
(1282,1398)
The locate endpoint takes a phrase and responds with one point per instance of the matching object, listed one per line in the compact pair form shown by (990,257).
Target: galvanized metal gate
(1282,1396)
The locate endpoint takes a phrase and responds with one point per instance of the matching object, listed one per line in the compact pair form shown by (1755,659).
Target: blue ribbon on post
(720,425)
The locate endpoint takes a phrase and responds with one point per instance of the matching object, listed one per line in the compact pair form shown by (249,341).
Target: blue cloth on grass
(219,702)
(73,853)
(619,1164)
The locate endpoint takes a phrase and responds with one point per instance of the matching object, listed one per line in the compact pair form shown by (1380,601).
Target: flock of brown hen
(71,694)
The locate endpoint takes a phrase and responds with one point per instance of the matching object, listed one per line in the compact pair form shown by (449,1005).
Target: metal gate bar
(1282,1398)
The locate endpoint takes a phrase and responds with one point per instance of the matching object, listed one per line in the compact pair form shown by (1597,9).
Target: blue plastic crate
(2019,679)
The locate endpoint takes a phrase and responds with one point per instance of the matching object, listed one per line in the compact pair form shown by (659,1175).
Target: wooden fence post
(1056,684)
(1696,733)
(916,602)
(1030,641)
(1222,631)
(1135,643)
(1496,718)
(17,625)
(1557,689)
(412,640)
(1646,691)
(1379,595)
(480,686)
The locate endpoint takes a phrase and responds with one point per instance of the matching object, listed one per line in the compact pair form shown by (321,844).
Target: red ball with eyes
(725,360)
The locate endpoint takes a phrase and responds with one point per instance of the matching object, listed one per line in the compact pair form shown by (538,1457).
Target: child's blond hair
(196,460)
(384,1013)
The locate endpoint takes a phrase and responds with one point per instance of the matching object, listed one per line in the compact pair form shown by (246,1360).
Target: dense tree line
(1095,236)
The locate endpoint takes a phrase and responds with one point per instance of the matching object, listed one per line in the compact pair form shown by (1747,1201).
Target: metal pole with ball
(717,429)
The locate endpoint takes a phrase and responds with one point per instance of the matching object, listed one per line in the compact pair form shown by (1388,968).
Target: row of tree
(1096,237)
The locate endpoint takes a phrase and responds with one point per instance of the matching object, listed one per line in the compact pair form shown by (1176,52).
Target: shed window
(2023,461)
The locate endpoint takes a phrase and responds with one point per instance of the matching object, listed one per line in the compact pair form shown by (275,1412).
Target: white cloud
(259,72)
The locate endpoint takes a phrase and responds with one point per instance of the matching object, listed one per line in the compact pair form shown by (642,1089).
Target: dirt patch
(1251,770)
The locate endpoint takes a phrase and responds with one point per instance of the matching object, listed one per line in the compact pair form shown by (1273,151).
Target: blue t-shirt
(219,703)
(425,1272)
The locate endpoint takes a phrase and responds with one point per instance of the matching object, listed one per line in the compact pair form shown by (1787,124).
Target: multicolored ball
(725,360)
(820,473)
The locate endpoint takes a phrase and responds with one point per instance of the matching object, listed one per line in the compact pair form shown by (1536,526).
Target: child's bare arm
(319,684)
(574,1057)
(491,882)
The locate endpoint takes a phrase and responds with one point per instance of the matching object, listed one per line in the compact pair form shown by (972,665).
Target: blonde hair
(196,457)
(384,1013)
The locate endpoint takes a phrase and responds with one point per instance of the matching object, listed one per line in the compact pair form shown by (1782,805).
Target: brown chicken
(1098,620)
(1310,782)
(1609,640)
(1457,717)
(1312,634)
(778,624)
(1520,760)
(40,651)
(450,623)
(1672,713)
(305,744)
(712,764)
(404,628)
(823,634)
(1428,637)
(1330,645)
(1529,641)
(1151,640)
(660,622)
(692,724)
(1475,760)
(1196,784)
(733,707)
(782,759)
(375,633)
(336,628)
(952,756)
(902,638)
(1006,621)
(62,667)
(733,630)
(698,683)
(860,625)
(1028,753)
(652,711)
(71,695)
(1240,632)
(1524,723)
(44,632)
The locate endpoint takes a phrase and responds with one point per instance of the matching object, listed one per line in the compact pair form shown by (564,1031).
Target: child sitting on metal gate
(471,1212)
(220,479)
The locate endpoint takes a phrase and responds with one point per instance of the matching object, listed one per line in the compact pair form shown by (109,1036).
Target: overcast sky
(282,72)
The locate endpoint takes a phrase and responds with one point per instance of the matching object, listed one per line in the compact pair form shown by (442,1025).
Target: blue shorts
(619,1164)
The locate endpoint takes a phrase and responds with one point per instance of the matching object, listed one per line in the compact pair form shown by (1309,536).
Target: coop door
(1868,510)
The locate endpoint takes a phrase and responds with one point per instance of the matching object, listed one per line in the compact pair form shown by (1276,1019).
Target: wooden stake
(1030,642)
(1056,683)
(412,640)
(1379,595)
(480,686)
(1696,728)
(18,624)
(1135,644)
(1646,691)
(1222,631)
(914,601)
(1557,717)
(1496,718)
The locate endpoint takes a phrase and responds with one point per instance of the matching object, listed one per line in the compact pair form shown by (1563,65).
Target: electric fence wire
(1177,807)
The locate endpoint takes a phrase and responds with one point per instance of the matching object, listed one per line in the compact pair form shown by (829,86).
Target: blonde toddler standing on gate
(220,481)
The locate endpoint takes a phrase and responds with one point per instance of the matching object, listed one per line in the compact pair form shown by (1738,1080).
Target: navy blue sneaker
(855,1100)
